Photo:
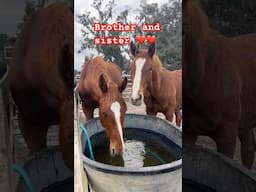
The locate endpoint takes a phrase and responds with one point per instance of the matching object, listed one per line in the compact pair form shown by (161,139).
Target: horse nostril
(134,100)
(112,152)
(139,98)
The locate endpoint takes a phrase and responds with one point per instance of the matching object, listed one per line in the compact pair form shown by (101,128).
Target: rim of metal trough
(193,153)
(172,166)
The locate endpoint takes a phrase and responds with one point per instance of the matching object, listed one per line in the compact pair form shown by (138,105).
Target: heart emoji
(151,39)
(140,39)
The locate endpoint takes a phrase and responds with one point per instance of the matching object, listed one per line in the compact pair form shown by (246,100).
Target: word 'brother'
(154,27)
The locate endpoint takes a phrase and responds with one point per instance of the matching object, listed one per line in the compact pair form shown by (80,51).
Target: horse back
(37,72)
(88,85)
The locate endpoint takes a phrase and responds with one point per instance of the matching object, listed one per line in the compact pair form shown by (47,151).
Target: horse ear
(151,50)
(123,86)
(103,83)
(133,48)
(184,2)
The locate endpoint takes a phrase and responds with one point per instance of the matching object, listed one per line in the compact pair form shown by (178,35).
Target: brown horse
(159,87)
(41,78)
(101,86)
(219,85)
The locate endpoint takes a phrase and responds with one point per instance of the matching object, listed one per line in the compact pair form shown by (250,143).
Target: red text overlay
(112,40)
(121,27)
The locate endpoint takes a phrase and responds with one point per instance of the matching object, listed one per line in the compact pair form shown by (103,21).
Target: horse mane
(98,59)
(196,29)
(157,61)
(198,20)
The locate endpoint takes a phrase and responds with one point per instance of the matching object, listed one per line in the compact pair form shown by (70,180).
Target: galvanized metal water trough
(209,171)
(108,178)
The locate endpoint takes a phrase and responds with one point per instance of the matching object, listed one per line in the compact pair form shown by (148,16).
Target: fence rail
(128,89)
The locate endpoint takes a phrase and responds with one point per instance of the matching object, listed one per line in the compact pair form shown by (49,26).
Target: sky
(81,6)
(11,12)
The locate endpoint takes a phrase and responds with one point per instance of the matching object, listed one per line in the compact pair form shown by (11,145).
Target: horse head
(112,108)
(141,72)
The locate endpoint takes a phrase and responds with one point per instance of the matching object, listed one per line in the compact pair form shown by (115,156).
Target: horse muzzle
(137,101)
(116,151)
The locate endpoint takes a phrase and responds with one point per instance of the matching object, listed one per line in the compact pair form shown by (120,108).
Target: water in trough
(142,149)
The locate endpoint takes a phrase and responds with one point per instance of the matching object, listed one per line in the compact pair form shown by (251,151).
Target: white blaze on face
(137,78)
(116,109)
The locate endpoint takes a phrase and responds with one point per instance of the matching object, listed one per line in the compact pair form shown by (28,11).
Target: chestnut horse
(41,78)
(158,87)
(219,85)
(101,86)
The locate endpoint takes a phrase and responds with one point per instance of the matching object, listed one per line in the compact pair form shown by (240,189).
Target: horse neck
(198,21)
(195,42)
(156,79)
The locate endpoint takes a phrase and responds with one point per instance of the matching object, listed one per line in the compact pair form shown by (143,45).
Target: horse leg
(189,138)
(66,133)
(34,135)
(151,111)
(169,114)
(226,138)
(247,147)
(178,117)
(88,112)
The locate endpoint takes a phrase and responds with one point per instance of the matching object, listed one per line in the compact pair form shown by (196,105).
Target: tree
(111,53)
(169,40)
(231,17)
(32,5)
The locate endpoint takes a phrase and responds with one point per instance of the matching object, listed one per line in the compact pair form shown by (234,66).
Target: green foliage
(231,17)
(111,53)
(30,7)
(169,42)
(33,5)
